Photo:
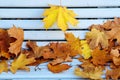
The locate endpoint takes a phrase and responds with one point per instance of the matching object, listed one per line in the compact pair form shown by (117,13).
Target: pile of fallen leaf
(100,48)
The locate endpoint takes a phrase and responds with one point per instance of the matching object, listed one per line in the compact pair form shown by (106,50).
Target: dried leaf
(20,63)
(58,68)
(100,57)
(18,34)
(97,38)
(61,15)
(94,73)
(4,44)
(114,74)
(3,66)
(38,61)
(74,43)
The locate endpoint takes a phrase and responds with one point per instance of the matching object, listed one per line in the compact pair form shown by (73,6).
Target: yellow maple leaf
(21,62)
(94,73)
(97,38)
(85,49)
(61,15)
(3,66)
(74,42)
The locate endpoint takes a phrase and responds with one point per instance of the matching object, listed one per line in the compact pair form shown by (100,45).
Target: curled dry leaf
(61,15)
(114,74)
(94,73)
(20,63)
(58,68)
(4,44)
(18,34)
(97,38)
(3,66)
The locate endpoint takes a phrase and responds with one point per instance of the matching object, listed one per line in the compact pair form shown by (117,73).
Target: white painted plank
(51,35)
(38,24)
(42,74)
(81,12)
(69,3)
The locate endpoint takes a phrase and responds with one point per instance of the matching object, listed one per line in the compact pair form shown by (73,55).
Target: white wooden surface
(30,17)
(81,12)
(70,3)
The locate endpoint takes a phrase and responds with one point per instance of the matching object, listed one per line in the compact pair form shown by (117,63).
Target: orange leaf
(18,34)
(99,57)
(58,68)
(74,44)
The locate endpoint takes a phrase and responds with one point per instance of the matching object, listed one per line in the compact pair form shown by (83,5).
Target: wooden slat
(70,3)
(50,35)
(81,12)
(39,74)
(38,24)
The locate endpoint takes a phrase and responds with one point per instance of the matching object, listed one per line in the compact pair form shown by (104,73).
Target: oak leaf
(18,34)
(20,63)
(58,68)
(61,15)
(97,38)
(3,66)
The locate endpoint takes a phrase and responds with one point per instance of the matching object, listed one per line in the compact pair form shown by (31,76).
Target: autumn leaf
(115,56)
(58,68)
(85,49)
(97,38)
(60,15)
(94,73)
(100,57)
(74,43)
(4,44)
(18,34)
(20,63)
(3,66)
(114,74)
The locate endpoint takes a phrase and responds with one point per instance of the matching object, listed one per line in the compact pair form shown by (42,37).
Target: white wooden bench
(27,14)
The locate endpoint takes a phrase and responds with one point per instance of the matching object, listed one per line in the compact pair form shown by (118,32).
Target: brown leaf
(4,44)
(58,68)
(18,34)
(100,57)
(37,51)
(39,61)
(114,74)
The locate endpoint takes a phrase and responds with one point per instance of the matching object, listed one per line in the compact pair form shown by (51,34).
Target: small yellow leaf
(86,51)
